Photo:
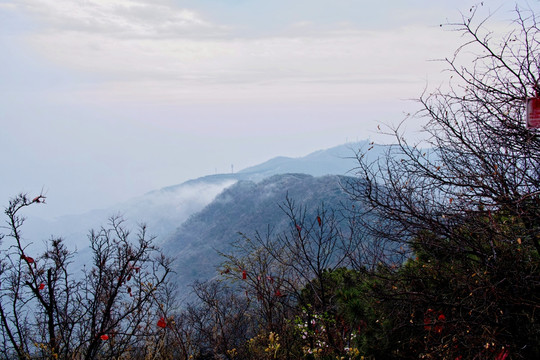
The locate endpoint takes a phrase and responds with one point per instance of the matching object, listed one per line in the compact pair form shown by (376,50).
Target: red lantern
(41,286)
(533,113)
(244,275)
(104,337)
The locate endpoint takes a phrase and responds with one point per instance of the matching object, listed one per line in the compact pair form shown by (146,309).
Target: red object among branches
(38,199)
(434,322)
(28,259)
(104,337)
(162,323)
(533,113)
(502,355)
(427,324)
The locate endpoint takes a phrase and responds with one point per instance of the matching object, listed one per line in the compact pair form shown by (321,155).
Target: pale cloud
(118,18)
(269,66)
(8,6)
(129,47)
(155,51)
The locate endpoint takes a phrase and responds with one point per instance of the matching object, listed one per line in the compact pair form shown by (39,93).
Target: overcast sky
(104,100)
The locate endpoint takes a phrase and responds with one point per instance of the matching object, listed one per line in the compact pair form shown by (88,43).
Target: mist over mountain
(246,207)
(164,210)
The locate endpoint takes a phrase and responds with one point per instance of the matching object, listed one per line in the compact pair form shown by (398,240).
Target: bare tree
(221,320)
(465,202)
(480,156)
(120,289)
(31,304)
(276,269)
(46,311)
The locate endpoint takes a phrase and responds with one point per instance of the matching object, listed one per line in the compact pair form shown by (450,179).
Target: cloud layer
(154,51)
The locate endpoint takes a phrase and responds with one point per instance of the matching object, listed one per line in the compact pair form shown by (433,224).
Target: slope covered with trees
(246,206)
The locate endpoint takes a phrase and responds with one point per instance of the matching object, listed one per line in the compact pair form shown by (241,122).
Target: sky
(104,100)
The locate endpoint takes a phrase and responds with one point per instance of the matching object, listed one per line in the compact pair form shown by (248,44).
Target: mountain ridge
(164,210)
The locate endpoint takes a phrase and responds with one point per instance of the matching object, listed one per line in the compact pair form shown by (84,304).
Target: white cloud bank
(153,51)
(117,18)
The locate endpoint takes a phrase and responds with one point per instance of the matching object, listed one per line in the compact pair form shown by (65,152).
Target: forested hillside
(247,207)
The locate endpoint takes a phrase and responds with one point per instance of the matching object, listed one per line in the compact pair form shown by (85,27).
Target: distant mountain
(246,207)
(338,160)
(166,210)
